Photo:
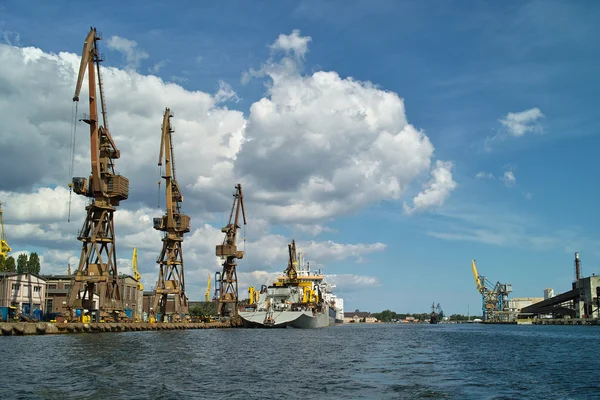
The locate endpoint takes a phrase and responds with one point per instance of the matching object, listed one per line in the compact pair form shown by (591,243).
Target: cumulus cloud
(509,178)
(519,123)
(315,147)
(338,143)
(129,48)
(436,191)
(484,175)
(293,43)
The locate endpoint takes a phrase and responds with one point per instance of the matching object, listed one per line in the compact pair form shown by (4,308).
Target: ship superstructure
(299,298)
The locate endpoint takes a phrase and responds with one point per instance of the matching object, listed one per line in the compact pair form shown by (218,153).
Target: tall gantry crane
(494,297)
(228,300)
(174,224)
(97,270)
(4,247)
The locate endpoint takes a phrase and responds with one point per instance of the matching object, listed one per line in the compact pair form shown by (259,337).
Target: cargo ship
(296,299)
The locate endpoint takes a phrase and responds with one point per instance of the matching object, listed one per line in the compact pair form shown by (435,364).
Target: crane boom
(476,275)
(136,272)
(291,270)
(207,293)
(105,186)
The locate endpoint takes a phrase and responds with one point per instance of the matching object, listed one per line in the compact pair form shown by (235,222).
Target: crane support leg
(170,279)
(97,270)
(228,302)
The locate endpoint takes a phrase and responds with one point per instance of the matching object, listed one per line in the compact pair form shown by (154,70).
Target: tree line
(23,265)
(389,316)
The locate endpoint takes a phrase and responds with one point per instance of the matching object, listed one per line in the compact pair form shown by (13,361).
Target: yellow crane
(136,272)
(252,296)
(4,247)
(494,297)
(207,293)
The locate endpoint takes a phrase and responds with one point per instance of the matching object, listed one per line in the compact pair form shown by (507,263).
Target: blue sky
(460,67)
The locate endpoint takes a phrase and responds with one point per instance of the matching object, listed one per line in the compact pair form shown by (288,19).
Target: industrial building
(582,301)
(516,304)
(25,292)
(58,287)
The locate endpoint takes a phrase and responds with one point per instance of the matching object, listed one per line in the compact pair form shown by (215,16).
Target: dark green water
(441,361)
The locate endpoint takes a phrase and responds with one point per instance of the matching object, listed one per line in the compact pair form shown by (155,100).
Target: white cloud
(293,43)
(314,148)
(484,175)
(129,48)
(157,67)
(509,178)
(528,196)
(11,38)
(517,124)
(493,224)
(436,191)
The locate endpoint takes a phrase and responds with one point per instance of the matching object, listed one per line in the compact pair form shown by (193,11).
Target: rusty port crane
(174,224)
(228,286)
(97,270)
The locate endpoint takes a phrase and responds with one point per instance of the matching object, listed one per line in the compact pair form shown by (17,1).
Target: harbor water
(351,361)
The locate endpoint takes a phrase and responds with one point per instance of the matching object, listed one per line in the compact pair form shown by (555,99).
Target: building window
(67,285)
(15,287)
(51,287)
(36,289)
(49,305)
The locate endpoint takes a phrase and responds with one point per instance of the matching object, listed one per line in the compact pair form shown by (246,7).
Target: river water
(352,361)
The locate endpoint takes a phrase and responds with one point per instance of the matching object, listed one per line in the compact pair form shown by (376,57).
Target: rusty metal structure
(97,270)
(174,224)
(228,286)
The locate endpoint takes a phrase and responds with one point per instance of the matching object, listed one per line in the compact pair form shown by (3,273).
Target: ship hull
(286,319)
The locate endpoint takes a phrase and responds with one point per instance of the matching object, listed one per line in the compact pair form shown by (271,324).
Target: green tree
(9,264)
(2,261)
(22,264)
(204,309)
(33,264)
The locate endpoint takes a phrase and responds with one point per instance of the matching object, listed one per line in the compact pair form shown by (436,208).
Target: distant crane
(207,293)
(252,296)
(136,272)
(228,301)
(217,294)
(494,297)
(4,247)
(174,224)
(97,270)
